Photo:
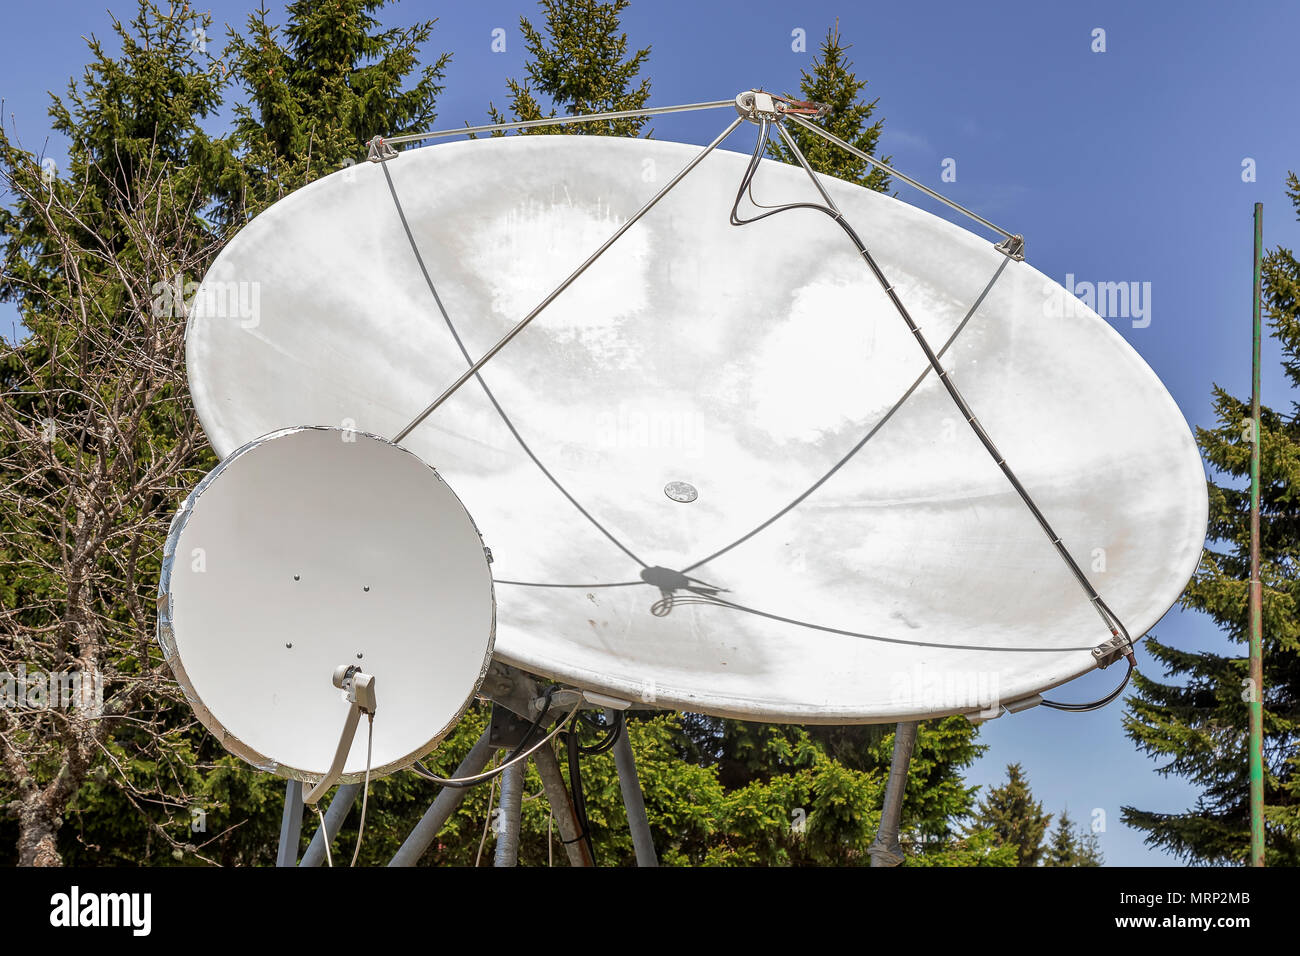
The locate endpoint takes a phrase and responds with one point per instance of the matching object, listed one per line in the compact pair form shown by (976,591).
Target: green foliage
(1071,845)
(979,847)
(835,776)
(321,88)
(579,62)
(1198,725)
(141,110)
(832,82)
(812,812)
(1016,819)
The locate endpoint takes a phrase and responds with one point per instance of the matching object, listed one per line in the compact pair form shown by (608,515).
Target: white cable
(325,834)
(497,771)
(365,791)
(486,823)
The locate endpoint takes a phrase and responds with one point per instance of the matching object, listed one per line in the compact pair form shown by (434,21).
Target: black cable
(575,785)
(537,722)
(1096,704)
(612,731)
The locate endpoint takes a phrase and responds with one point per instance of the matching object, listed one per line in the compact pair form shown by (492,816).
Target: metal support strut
(509,815)
(566,819)
(344,799)
(448,799)
(633,798)
(886,850)
(1013,244)
(555,121)
(290,824)
(1255,706)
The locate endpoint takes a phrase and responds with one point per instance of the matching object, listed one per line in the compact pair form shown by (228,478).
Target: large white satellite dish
(717,473)
(312,548)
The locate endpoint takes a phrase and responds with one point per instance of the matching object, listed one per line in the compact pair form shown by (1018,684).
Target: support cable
(505,419)
(1108,617)
(867,157)
(558,121)
(537,310)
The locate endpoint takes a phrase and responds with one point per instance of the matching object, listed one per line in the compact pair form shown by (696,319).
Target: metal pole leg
(561,807)
(886,850)
(449,798)
(633,799)
(290,825)
(339,808)
(508,817)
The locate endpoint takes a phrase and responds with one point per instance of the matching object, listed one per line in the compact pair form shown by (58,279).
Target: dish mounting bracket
(757,106)
(378,151)
(1012,247)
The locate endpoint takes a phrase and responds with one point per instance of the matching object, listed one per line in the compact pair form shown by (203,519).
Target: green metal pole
(1256,591)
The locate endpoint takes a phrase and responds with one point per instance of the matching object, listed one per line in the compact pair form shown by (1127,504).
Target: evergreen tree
(833,83)
(138,110)
(751,757)
(1016,819)
(1072,846)
(322,87)
(143,207)
(579,62)
(1198,724)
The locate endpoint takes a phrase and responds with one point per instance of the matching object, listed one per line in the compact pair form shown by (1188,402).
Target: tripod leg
(886,850)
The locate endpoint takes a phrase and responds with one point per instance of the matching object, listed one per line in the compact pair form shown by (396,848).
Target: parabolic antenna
(312,548)
(717,472)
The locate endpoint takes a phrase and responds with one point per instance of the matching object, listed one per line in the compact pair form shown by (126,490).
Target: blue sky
(1123,165)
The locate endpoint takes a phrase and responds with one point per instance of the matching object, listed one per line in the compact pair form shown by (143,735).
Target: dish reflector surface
(307,549)
(739,405)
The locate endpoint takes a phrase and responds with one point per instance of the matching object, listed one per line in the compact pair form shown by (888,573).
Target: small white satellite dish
(308,551)
(717,471)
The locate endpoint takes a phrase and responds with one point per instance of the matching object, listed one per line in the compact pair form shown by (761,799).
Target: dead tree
(98,445)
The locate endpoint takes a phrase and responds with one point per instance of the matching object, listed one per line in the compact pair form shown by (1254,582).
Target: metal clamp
(1012,248)
(379,151)
(756,106)
(1112,650)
